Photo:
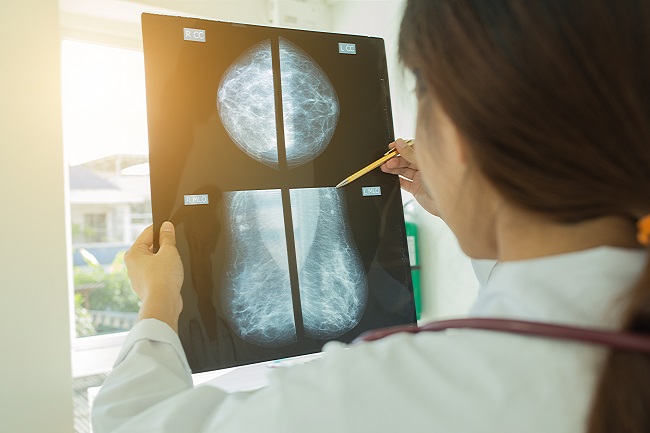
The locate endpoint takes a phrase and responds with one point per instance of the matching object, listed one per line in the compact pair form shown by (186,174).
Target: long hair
(553,97)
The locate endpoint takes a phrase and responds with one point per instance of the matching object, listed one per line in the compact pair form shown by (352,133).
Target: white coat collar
(584,288)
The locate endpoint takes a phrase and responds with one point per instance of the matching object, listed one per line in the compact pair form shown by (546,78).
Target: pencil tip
(341,184)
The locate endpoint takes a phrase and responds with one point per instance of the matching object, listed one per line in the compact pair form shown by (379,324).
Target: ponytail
(621,402)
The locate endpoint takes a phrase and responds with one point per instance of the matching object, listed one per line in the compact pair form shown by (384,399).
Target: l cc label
(347,48)
(196,35)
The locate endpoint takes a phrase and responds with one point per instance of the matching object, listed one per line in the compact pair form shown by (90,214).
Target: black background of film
(191,153)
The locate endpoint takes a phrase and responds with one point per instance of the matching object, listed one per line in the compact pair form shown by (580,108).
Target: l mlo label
(370,191)
(194,199)
(196,35)
(347,48)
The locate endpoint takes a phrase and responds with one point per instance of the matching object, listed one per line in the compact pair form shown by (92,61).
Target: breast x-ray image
(250,128)
(256,289)
(246,102)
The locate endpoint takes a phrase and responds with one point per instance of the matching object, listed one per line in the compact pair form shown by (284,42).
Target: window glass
(105,142)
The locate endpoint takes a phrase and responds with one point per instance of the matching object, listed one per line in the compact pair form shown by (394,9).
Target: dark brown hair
(553,97)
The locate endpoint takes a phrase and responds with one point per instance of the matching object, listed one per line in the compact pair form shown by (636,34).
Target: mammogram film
(262,122)
(246,102)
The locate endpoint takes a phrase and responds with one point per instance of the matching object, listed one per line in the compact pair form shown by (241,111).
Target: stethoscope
(621,340)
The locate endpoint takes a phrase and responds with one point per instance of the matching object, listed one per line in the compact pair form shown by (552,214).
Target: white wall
(35,384)
(448,282)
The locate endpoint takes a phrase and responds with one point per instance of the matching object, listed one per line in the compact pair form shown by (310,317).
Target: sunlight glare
(103,101)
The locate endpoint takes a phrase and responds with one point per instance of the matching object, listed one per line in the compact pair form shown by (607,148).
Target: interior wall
(35,381)
(448,282)
(117,22)
(246,11)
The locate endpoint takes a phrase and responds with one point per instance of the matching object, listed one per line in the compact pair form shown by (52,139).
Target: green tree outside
(107,290)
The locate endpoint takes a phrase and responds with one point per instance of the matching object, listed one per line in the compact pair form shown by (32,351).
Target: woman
(533,144)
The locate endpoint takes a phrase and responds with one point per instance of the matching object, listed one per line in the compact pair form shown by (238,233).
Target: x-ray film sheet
(249,129)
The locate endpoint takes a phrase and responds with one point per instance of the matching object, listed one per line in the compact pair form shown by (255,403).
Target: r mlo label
(194,199)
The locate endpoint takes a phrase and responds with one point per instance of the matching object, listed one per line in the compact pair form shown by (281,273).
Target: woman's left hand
(157,277)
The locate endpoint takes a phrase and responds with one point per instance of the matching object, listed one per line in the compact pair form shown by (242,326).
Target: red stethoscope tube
(613,339)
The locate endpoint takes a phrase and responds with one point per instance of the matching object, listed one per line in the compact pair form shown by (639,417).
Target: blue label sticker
(370,191)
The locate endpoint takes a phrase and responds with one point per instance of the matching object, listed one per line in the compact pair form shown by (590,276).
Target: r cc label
(196,35)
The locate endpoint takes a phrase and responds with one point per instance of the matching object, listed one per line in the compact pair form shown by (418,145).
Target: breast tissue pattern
(246,105)
(256,289)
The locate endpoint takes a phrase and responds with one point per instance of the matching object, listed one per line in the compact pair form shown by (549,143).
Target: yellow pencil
(388,155)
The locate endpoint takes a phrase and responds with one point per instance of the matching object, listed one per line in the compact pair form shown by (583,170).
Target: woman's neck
(521,235)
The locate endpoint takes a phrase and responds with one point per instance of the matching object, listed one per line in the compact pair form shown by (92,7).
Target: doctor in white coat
(533,145)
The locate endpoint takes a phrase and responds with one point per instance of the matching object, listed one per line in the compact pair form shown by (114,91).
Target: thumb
(167,235)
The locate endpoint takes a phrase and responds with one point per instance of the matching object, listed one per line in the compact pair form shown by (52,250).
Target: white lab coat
(457,381)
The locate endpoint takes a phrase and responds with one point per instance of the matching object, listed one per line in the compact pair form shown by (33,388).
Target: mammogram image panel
(332,279)
(310,106)
(256,292)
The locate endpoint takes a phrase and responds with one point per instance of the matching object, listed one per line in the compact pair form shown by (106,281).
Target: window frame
(85,22)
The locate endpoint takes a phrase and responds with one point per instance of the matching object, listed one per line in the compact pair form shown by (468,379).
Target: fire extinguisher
(412,243)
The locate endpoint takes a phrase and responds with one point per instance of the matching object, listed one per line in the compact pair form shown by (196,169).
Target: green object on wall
(412,241)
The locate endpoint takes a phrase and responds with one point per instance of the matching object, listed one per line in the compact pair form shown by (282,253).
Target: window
(105,142)
(94,227)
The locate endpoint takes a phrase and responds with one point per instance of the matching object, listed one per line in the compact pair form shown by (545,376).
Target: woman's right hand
(410,179)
